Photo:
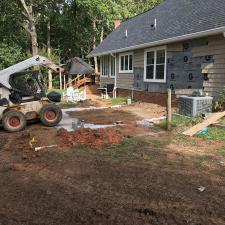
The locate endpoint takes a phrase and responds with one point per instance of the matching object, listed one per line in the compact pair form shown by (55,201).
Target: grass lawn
(179,120)
(119,101)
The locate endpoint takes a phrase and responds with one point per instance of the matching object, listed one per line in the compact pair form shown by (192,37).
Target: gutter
(164,41)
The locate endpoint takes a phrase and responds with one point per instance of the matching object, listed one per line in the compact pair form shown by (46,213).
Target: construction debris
(44,147)
(199,127)
(150,122)
(201,188)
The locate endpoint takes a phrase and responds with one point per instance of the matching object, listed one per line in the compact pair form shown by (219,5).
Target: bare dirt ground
(125,114)
(155,183)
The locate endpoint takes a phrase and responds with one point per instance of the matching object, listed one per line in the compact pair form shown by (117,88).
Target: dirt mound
(92,138)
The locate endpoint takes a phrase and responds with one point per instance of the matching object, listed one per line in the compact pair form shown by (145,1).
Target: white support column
(115,82)
(64,79)
(60,80)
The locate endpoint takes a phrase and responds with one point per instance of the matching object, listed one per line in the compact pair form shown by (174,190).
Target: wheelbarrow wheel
(14,121)
(51,115)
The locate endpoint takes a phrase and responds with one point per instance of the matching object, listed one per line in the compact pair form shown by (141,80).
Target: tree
(10,55)
(29,23)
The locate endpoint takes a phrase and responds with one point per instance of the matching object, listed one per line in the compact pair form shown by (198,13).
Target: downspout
(115,79)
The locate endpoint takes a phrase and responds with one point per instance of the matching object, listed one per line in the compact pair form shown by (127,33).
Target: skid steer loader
(23,97)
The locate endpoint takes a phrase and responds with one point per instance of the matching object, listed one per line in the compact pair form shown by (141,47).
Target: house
(79,72)
(178,44)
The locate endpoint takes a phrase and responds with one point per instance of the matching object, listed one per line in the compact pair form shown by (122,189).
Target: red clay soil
(65,189)
(144,96)
(92,138)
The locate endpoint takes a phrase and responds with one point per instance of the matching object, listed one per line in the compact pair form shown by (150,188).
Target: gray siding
(106,80)
(139,83)
(216,68)
(124,80)
(204,67)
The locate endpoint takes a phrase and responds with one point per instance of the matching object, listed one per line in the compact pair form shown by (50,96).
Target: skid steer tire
(50,115)
(14,121)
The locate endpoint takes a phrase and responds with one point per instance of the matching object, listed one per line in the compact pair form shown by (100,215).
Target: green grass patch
(119,101)
(179,120)
(216,133)
(67,105)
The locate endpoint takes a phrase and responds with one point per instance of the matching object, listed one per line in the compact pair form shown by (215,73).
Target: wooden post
(169,110)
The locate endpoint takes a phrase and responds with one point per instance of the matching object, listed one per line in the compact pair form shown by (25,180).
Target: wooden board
(212,119)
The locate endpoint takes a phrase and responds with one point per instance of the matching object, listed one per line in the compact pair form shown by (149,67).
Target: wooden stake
(169,110)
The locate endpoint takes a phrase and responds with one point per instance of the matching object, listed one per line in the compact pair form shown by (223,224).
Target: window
(112,66)
(155,65)
(107,67)
(126,63)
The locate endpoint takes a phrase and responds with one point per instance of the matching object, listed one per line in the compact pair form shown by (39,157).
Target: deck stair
(80,80)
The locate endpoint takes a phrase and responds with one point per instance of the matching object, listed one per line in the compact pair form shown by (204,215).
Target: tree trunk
(49,38)
(49,53)
(102,34)
(30,25)
(94,46)
(34,41)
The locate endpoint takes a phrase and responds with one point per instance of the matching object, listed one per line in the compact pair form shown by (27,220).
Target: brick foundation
(144,96)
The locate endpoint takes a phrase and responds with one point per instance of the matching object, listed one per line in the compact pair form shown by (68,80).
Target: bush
(219,105)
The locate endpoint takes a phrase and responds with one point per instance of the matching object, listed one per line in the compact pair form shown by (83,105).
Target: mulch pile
(93,138)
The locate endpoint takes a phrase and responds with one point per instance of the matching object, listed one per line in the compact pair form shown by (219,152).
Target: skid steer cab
(23,97)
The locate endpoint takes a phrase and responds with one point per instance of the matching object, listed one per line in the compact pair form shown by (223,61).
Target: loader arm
(19,67)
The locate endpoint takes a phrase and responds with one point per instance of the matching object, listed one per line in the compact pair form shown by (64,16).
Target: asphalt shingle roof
(174,18)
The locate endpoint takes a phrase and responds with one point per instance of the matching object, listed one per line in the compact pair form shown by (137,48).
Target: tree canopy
(66,28)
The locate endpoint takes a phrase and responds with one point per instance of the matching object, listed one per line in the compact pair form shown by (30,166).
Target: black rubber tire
(50,115)
(14,121)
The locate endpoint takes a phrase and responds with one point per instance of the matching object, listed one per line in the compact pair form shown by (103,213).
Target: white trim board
(199,34)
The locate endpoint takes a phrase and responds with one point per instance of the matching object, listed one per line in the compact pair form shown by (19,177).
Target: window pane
(112,66)
(150,72)
(122,63)
(105,60)
(107,65)
(160,57)
(126,62)
(103,65)
(150,57)
(131,62)
(160,72)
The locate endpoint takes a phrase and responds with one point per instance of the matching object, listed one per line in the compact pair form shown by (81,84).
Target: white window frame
(110,70)
(101,64)
(126,54)
(154,80)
